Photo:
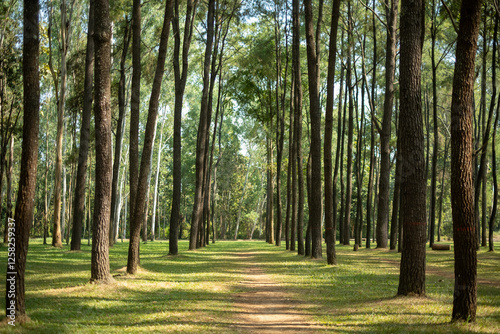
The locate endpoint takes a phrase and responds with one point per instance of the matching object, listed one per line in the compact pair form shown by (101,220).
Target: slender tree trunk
(330,228)
(79,204)
(491,223)
(315,206)
(8,214)
(298,125)
(143,183)
(385,133)
(462,187)
(155,196)
(348,195)
(135,105)
(241,199)
(15,302)
(293,158)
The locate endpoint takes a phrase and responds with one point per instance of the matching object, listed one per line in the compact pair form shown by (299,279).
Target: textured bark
(411,135)
(330,226)
(432,204)
(462,187)
(138,217)
(135,104)
(29,159)
(202,136)
(385,133)
(99,269)
(81,174)
(350,130)
(298,125)
(314,199)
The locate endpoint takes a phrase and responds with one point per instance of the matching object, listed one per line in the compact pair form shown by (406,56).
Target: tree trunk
(348,194)
(103,171)
(155,196)
(411,135)
(491,223)
(385,133)
(298,125)
(15,302)
(143,183)
(202,136)
(315,209)
(135,105)
(462,187)
(330,226)
(120,129)
(81,174)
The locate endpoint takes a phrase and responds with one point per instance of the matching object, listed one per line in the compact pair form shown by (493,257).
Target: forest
(322,127)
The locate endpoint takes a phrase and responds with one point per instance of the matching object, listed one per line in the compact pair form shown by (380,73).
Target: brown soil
(265,307)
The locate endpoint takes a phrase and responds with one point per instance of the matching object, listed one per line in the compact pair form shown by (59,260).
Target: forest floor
(245,287)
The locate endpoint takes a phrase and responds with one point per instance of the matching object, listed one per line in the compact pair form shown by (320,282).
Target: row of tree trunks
(202,135)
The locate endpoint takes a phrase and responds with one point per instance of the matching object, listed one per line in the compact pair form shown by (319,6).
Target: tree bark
(298,125)
(315,206)
(330,226)
(143,183)
(462,187)
(135,104)
(15,302)
(99,270)
(411,135)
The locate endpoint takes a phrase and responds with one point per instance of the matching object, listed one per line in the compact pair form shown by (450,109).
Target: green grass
(194,292)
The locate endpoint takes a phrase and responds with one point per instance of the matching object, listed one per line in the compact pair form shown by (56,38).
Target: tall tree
(314,199)
(138,216)
(99,269)
(180,78)
(411,136)
(385,131)
(298,125)
(81,174)
(15,303)
(135,104)
(203,131)
(462,187)
(330,226)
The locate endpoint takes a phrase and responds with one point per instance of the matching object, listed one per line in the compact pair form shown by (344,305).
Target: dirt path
(266,307)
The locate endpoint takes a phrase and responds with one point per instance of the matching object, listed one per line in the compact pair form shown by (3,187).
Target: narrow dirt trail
(265,307)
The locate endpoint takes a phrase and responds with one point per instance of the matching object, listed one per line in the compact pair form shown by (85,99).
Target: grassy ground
(194,292)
